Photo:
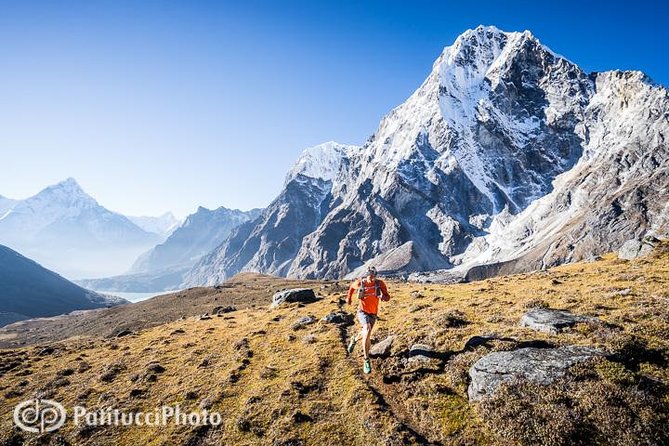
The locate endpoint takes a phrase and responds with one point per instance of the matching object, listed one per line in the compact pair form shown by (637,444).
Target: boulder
(301,295)
(539,365)
(382,349)
(551,321)
(632,249)
(122,332)
(421,353)
(338,318)
(223,310)
(303,322)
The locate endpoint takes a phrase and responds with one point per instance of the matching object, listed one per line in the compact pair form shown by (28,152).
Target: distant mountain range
(163,225)
(508,157)
(28,290)
(66,230)
(163,266)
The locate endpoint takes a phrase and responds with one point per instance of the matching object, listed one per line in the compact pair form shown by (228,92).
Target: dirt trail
(386,398)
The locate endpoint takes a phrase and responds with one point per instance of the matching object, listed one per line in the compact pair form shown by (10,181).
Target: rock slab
(303,322)
(421,353)
(302,295)
(382,349)
(632,249)
(539,365)
(338,318)
(551,321)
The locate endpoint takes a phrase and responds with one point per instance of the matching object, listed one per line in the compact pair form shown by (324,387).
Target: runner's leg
(368,335)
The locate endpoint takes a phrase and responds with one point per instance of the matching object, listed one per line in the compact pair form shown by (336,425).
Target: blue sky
(167,105)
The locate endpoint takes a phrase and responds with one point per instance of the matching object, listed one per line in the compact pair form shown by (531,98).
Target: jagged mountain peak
(204,212)
(68,184)
(65,192)
(482,48)
(322,161)
(488,90)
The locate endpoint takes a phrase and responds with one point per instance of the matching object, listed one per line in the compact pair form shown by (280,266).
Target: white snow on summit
(322,161)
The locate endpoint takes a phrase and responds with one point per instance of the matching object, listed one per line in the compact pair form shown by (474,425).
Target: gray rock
(302,295)
(303,322)
(421,353)
(339,318)
(223,310)
(539,365)
(476,341)
(46,351)
(551,321)
(632,249)
(123,333)
(382,349)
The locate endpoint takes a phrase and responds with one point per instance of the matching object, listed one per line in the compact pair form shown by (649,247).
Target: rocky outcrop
(422,353)
(551,321)
(338,318)
(632,249)
(303,322)
(301,295)
(539,365)
(382,349)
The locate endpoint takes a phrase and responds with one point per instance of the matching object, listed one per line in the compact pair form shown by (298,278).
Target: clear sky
(167,105)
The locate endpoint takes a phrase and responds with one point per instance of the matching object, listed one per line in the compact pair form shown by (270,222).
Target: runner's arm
(351,291)
(385,296)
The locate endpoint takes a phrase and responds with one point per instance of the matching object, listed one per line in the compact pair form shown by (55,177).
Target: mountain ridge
(162,267)
(29,290)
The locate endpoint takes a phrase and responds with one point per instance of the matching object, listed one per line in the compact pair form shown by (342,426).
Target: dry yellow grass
(276,385)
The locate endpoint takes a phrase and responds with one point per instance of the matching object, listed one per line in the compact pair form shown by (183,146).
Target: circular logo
(39,415)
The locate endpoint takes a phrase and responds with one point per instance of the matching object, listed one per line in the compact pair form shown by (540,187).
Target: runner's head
(371,273)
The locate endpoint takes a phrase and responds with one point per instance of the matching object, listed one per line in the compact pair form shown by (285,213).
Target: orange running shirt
(370,304)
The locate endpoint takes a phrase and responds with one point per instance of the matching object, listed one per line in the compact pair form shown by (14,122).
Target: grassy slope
(262,386)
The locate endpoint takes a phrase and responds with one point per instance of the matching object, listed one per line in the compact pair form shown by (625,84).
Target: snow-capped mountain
(507,154)
(66,230)
(163,266)
(28,290)
(270,242)
(162,225)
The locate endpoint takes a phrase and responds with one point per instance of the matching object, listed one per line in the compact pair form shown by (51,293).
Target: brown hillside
(277,385)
